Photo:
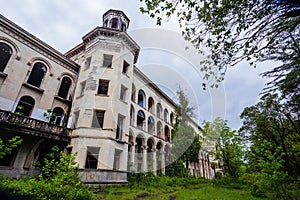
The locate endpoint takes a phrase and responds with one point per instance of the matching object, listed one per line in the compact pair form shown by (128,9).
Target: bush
(58,180)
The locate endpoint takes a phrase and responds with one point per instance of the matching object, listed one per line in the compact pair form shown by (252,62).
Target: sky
(164,57)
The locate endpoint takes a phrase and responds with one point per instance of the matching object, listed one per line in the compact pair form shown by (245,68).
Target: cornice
(15,31)
(106,32)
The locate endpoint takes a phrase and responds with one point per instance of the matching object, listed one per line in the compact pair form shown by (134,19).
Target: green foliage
(238,30)
(6,148)
(58,180)
(225,145)
(164,187)
(186,143)
(274,154)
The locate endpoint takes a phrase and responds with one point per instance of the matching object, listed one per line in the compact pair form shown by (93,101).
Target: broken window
(103,87)
(5,54)
(37,74)
(25,106)
(107,60)
(64,87)
(98,119)
(125,67)
(92,158)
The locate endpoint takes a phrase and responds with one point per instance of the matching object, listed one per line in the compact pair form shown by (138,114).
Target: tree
(233,31)
(274,153)
(6,148)
(186,143)
(225,145)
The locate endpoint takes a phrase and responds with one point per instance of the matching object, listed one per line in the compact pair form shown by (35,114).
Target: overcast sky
(62,24)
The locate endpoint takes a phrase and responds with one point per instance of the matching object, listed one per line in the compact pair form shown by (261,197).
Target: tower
(100,111)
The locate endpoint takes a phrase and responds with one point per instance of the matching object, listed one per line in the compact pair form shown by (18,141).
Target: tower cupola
(115,19)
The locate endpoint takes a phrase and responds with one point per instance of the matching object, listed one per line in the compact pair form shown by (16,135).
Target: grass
(166,188)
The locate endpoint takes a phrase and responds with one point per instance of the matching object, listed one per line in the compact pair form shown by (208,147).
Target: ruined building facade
(92,100)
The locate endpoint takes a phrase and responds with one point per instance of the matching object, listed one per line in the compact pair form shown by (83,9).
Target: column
(154,161)
(144,158)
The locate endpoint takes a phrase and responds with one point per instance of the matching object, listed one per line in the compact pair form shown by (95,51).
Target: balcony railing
(22,124)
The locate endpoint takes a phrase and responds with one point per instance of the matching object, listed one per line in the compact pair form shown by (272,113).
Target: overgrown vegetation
(58,180)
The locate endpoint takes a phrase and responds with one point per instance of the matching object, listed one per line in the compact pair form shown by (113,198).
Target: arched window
(167,134)
(5,54)
(151,105)
(166,115)
(150,125)
(25,106)
(57,117)
(159,129)
(140,119)
(37,74)
(159,110)
(64,87)
(133,93)
(114,22)
(142,98)
(172,118)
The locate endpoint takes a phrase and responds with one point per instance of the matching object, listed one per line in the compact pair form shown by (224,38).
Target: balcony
(26,125)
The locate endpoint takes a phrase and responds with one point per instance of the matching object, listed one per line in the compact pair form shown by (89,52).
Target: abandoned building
(92,100)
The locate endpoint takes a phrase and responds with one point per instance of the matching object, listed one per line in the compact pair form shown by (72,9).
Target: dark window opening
(107,60)
(103,87)
(98,119)
(114,23)
(25,106)
(64,87)
(92,158)
(37,74)
(5,54)
(125,67)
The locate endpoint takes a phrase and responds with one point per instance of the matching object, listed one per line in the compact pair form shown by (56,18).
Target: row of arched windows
(37,74)
(25,107)
(160,113)
(141,122)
